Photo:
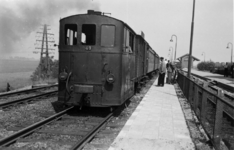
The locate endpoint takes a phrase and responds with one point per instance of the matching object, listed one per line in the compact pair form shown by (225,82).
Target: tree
(205,66)
(41,72)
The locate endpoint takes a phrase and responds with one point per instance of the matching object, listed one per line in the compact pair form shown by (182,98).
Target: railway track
(70,130)
(215,85)
(23,100)
(27,91)
(12,138)
(59,118)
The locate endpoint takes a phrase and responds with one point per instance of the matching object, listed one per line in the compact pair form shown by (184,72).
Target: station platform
(158,123)
(213,76)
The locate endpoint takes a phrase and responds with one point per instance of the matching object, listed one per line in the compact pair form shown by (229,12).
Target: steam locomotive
(101,60)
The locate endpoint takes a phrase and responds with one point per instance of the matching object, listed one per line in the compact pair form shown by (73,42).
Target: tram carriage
(101,60)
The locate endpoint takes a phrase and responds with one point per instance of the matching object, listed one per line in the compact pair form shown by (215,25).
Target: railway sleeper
(98,146)
(43,141)
(76,132)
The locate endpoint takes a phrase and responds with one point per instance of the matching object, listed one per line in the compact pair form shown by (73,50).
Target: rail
(79,145)
(12,138)
(28,90)
(10,103)
(214,112)
(32,128)
(217,83)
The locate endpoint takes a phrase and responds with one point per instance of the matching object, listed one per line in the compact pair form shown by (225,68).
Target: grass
(16,80)
(18,73)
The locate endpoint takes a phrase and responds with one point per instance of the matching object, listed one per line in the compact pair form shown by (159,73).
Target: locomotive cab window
(129,41)
(88,35)
(108,35)
(70,34)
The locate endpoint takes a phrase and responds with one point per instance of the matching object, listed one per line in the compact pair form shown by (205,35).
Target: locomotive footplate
(83,88)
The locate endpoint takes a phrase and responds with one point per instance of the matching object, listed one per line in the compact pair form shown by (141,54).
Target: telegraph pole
(44,64)
(191,42)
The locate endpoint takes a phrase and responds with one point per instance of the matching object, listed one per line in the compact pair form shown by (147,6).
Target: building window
(88,35)
(108,35)
(70,34)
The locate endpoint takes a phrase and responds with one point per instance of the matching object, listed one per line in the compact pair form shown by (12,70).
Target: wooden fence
(216,114)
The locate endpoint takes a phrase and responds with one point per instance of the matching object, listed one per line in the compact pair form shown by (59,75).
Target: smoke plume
(19,18)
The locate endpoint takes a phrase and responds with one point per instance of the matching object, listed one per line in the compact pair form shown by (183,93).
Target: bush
(54,68)
(206,66)
(43,75)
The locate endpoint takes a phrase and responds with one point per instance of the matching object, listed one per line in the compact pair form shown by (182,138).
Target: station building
(184,61)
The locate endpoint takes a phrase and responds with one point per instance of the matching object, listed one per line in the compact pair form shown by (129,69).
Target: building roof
(194,58)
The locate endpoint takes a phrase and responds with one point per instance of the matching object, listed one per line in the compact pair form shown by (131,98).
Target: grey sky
(158,19)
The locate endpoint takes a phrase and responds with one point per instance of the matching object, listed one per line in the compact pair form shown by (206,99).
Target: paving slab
(158,123)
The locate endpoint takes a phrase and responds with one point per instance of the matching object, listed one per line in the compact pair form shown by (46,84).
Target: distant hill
(17,65)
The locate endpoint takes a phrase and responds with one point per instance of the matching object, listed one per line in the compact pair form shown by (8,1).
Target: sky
(20,20)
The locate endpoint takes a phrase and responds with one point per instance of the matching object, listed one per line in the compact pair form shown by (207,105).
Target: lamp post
(231,49)
(204,54)
(175,44)
(171,53)
(191,42)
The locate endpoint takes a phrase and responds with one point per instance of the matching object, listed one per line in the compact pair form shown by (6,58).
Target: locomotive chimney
(92,12)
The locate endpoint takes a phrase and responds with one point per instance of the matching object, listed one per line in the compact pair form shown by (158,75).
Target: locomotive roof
(147,43)
(77,15)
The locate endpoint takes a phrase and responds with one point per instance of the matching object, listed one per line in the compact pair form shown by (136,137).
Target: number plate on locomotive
(83,88)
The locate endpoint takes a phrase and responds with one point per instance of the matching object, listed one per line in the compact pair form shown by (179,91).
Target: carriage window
(108,35)
(70,34)
(88,35)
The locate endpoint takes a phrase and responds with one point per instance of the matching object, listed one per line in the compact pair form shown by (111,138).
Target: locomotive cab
(100,60)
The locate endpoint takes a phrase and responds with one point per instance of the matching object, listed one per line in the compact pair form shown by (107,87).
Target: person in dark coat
(8,87)
(169,73)
(167,65)
(175,74)
(232,70)
(162,72)
(226,70)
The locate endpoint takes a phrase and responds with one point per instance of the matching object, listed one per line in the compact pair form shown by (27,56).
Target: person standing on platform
(226,70)
(167,64)
(162,71)
(232,70)
(169,72)
(174,75)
